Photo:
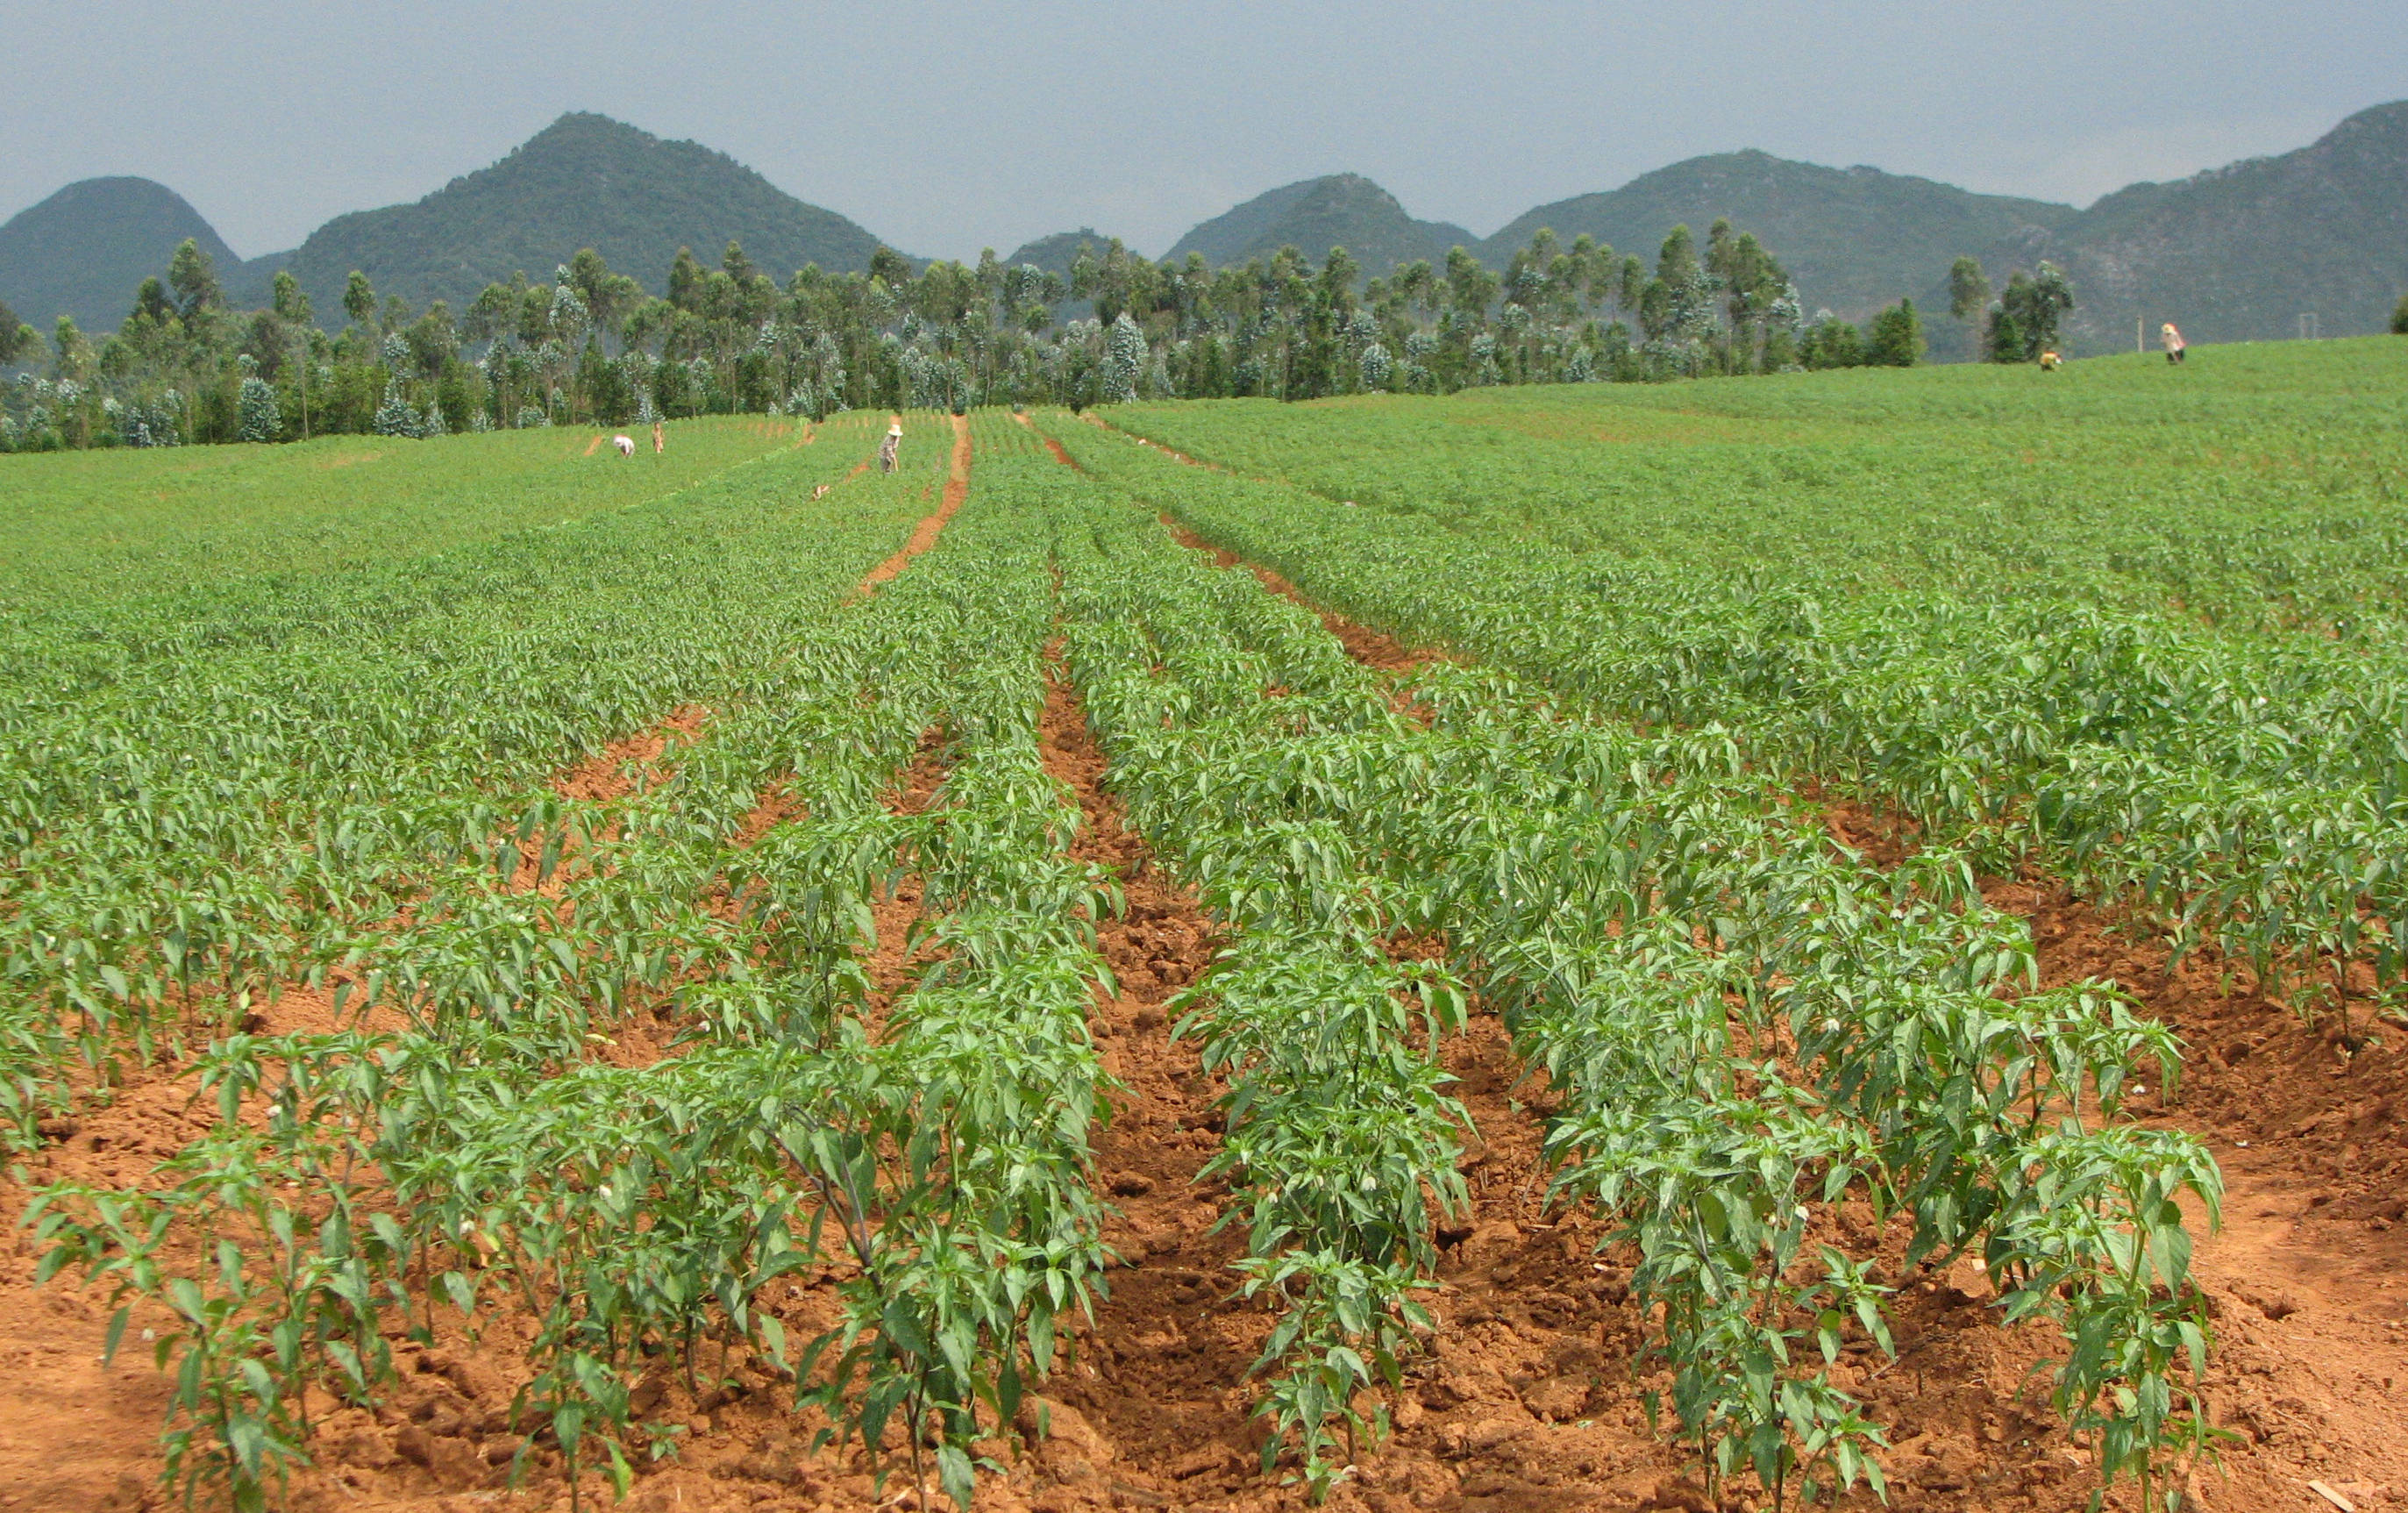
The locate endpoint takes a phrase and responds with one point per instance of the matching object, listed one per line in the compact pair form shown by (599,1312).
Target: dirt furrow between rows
(2311,1372)
(957,488)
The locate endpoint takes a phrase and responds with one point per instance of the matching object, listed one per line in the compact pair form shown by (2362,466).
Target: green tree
(255,408)
(891,265)
(1969,295)
(70,353)
(1676,261)
(293,306)
(151,301)
(2399,317)
(2006,338)
(2037,304)
(609,296)
(1894,340)
(17,339)
(687,279)
(358,299)
(433,342)
(194,278)
(1830,342)
(1630,284)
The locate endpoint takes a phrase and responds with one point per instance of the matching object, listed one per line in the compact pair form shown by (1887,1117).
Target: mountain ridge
(1338,209)
(2234,252)
(2240,253)
(82,251)
(1854,239)
(585,180)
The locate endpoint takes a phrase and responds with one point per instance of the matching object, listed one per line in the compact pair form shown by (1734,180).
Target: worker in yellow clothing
(2172,341)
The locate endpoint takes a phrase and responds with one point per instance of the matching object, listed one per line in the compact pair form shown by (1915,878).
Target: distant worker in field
(2172,341)
(890,449)
(660,443)
(2050,361)
(626,445)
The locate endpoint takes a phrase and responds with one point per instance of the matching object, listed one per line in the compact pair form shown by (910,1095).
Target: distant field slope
(2254,486)
(585,180)
(83,251)
(83,528)
(1854,238)
(1342,209)
(2239,252)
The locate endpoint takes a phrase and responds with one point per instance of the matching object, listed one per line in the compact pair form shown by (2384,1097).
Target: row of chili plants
(500,986)
(1340,1135)
(485,1161)
(1745,1032)
(203,793)
(2242,789)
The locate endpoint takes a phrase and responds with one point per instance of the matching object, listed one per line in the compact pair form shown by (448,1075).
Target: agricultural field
(114,524)
(1834,940)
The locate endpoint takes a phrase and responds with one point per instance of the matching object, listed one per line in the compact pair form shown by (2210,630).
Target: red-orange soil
(1528,1402)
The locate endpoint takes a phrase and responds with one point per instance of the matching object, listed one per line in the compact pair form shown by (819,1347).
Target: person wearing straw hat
(890,448)
(2172,341)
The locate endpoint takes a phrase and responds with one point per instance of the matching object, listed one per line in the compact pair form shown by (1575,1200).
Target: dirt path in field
(1051,445)
(1373,648)
(957,488)
(1153,1394)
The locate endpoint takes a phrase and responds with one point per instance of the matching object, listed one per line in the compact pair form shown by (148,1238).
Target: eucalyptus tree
(1968,296)
(358,299)
(17,338)
(193,275)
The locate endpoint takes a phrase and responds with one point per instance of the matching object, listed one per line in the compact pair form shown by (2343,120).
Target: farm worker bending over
(626,445)
(659,445)
(888,449)
(2172,340)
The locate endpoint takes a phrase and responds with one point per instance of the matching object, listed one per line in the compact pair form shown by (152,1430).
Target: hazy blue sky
(945,127)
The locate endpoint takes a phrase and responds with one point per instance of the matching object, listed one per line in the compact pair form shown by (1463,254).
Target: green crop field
(595,933)
(113,523)
(2265,486)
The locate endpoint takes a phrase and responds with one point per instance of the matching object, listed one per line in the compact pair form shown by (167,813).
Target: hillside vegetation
(2236,254)
(585,180)
(1342,209)
(1854,238)
(81,251)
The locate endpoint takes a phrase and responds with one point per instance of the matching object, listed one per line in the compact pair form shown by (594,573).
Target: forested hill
(1313,215)
(1854,239)
(1057,253)
(585,180)
(83,251)
(2236,254)
(2240,253)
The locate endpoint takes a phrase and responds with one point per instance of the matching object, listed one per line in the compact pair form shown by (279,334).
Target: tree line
(594,346)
